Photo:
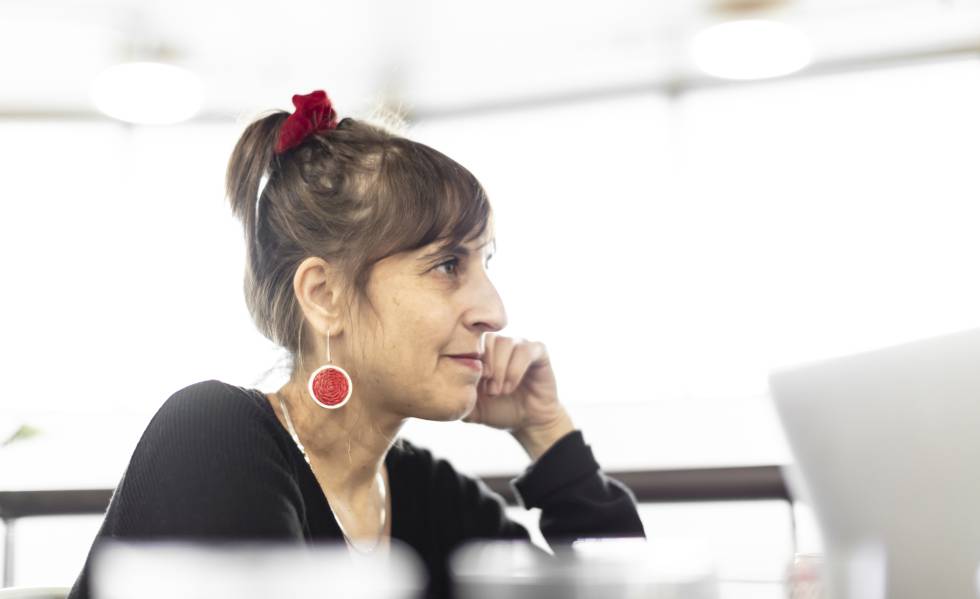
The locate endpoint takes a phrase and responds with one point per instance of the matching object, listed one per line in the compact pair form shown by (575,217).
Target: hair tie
(314,113)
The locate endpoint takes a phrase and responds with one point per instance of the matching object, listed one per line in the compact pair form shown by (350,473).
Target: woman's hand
(518,392)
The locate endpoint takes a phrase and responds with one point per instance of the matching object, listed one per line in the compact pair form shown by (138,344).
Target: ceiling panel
(422,56)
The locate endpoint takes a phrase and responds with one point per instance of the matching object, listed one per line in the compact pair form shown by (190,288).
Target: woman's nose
(488,309)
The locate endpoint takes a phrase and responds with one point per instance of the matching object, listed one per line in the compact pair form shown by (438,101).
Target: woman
(366,252)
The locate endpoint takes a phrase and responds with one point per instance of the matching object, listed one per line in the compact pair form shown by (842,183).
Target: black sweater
(215,464)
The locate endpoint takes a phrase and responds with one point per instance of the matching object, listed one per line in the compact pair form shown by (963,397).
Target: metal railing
(649,486)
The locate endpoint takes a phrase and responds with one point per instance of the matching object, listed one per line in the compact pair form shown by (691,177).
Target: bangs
(424,197)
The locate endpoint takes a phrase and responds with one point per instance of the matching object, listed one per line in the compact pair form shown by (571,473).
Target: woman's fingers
(508,370)
(521,357)
(503,347)
(488,342)
(507,361)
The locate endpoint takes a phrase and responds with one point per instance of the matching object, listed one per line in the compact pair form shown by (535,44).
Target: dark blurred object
(588,568)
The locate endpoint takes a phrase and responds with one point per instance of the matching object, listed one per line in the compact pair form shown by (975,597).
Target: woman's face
(430,303)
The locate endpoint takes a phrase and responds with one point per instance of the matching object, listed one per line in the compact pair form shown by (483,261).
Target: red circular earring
(330,385)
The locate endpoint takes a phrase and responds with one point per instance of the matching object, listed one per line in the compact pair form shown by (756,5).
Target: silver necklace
(381,483)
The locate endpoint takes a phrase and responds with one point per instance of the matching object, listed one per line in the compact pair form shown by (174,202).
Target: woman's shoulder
(212,408)
(213,397)
(209,463)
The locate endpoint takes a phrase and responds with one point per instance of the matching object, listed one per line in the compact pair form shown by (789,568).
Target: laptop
(886,444)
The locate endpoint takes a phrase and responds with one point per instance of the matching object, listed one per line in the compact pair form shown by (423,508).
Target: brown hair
(351,196)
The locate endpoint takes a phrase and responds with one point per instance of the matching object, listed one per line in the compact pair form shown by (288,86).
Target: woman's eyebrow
(458,249)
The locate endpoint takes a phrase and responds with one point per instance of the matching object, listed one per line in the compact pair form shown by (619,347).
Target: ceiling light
(149,93)
(751,49)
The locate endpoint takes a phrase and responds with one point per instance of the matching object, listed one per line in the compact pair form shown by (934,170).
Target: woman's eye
(453,261)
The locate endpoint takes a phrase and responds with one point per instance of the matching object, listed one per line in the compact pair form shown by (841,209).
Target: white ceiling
(427,57)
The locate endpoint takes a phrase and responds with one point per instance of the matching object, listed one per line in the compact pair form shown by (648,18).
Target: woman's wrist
(537,439)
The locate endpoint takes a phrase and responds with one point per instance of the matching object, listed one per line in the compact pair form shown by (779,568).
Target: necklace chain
(384,511)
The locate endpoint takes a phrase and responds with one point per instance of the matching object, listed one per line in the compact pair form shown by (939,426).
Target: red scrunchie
(314,113)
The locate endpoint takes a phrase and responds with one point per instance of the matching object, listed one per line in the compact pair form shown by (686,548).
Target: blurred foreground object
(887,446)
(125,570)
(24,431)
(805,577)
(34,593)
(607,568)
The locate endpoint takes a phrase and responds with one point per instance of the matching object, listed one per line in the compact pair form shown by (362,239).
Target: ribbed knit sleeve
(576,498)
(206,468)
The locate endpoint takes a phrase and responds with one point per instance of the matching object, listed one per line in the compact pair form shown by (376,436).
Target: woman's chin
(449,411)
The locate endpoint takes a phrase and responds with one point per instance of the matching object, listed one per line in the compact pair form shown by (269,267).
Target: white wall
(669,252)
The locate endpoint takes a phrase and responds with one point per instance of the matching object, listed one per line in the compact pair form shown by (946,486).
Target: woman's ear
(318,290)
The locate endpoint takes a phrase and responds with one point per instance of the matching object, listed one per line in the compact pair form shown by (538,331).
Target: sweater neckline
(394,488)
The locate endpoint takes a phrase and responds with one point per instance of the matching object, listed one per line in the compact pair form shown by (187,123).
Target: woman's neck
(346,447)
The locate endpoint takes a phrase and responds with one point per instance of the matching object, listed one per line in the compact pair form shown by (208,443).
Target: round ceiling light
(148,93)
(751,49)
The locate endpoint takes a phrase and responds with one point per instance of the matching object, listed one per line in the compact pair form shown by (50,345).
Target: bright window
(669,252)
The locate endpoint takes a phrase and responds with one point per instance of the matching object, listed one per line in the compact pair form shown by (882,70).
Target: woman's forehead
(469,242)
(485,243)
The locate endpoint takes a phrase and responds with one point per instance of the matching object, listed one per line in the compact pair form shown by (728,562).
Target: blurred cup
(588,568)
(166,570)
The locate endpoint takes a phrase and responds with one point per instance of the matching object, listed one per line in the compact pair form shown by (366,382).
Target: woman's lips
(473,363)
